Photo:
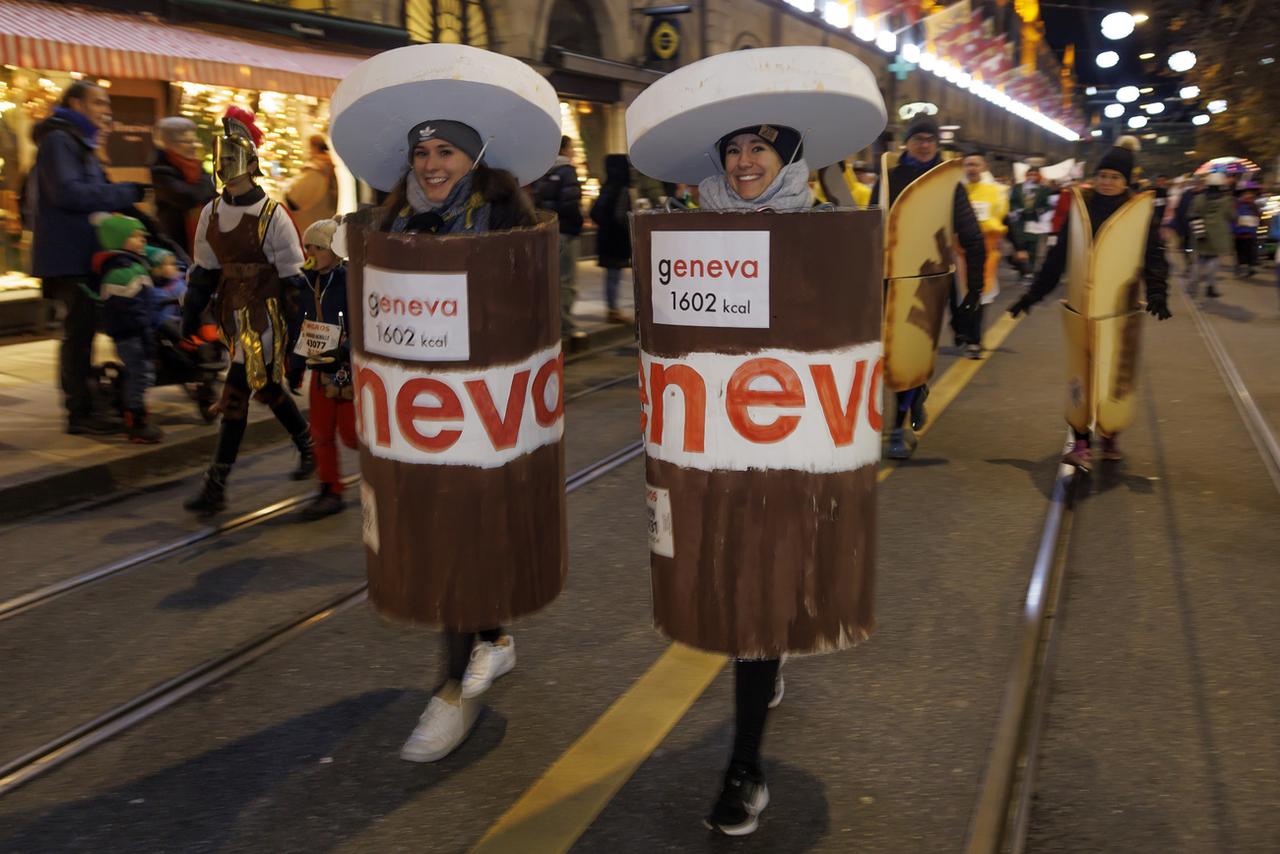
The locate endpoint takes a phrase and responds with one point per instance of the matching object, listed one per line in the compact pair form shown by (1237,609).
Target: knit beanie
(463,137)
(1120,158)
(922,124)
(784,140)
(157,256)
(320,233)
(114,229)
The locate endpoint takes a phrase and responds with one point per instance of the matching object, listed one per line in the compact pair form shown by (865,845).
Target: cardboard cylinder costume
(456,355)
(760,368)
(919,265)
(1102,313)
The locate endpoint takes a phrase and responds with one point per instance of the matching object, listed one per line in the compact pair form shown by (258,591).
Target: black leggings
(235,413)
(753,689)
(457,650)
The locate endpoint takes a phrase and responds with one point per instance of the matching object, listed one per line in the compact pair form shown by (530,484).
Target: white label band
(661,529)
(418,317)
(772,409)
(463,417)
(710,278)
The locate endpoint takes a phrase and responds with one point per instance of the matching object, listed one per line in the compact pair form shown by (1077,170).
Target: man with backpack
(69,185)
(559,192)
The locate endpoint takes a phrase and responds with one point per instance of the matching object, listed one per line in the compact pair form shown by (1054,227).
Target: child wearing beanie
(323,347)
(127,293)
(166,308)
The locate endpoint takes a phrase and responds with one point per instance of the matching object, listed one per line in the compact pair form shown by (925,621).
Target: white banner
(773,409)
(465,417)
(418,317)
(710,278)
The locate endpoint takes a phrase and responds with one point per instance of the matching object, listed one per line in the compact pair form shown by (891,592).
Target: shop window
(447,22)
(573,27)
(387,12)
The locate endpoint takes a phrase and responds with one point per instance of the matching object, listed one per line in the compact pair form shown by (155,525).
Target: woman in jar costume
(746,128)
(451,133)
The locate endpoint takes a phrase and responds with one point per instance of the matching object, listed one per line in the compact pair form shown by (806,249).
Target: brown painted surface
(774,561)
(464,547)
(914,311)
(818,299)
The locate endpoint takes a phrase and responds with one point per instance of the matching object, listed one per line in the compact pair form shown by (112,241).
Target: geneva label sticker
(418,317)
(710,278)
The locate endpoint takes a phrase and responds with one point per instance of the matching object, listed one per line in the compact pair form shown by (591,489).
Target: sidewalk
(41,467)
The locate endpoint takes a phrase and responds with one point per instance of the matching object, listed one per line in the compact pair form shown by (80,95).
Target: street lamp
(1127,94)
(1095,132)
(887,41)
(1154,109)
(1118,25)
(1201,119)
(1186,93)
(1107,59)
(864,29)
(1218,106)
(1113,111)
(837,15)
(911,53)
(1183,60)
(1091,90)
(1136,122)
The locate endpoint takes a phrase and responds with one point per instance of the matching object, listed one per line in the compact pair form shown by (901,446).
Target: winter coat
(1155,269)
(127,294)
(495,188)
(333,302)
(166,304)
(1247,218)
(70,185)
(313,194)
(178,202)
(1218,210)
(609,213)
(965,223)
(1025,208)
(558,191)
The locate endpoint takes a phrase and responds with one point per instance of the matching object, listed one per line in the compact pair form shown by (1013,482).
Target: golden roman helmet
(235,150)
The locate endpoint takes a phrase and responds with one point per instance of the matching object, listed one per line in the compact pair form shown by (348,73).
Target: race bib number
(981,210)
(710,278)
(316,338)
(661,537)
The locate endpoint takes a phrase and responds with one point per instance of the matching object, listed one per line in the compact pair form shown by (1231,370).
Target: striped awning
(59,37)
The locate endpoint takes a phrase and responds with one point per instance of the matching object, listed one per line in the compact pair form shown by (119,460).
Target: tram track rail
(25,602)
(85,736)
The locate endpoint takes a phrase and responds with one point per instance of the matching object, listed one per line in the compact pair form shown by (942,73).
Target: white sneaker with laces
(442,727)
(488,662)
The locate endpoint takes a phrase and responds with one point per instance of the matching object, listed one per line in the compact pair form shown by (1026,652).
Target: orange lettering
(541,413)
(693,387)
(368,378)
(502,432)
(739,397)
(408,412)
(644,404)
(875,412)
(841,419)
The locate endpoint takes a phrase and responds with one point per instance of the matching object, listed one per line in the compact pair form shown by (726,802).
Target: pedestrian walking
(313,194)
(1028,202)
(248,265)
(1248,217)
(69,186)
(1211,220)
(560,192)
(613,230)
(991,207)
(182,187)
(1106,310)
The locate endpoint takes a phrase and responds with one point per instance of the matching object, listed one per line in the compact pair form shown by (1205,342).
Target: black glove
(971,300)
(1023,305)
(1158,307)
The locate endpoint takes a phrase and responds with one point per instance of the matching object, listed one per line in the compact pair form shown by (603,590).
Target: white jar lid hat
(513,108)
(828,96)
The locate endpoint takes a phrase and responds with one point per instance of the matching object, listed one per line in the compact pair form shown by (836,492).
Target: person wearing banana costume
(1103,253)
(926,212)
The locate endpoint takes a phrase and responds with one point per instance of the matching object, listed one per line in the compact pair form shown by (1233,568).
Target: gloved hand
(1023,305)
(1158,307)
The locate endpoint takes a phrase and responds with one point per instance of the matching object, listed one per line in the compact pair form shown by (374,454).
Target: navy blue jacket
(333,286)
(70,185)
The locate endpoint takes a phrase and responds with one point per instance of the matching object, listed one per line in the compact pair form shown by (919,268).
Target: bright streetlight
(1154,109)
(1136,122)
(1118,25)
(864,29)
(1218,106)
(1091,90)
(1186,93)
(1146,56)
(1107,59)
(928,61)
(1183,60)
(1201,119)
(1113,111)
(1095,132)
(836,14)
(887,41)
(1127,94)
(911,53)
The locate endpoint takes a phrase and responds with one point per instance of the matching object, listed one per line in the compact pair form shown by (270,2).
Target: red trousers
(330,418)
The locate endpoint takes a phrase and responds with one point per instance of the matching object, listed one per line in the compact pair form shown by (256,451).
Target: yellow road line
(562,803)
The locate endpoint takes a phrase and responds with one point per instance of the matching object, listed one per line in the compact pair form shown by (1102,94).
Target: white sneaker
(988,297)
(488,662)
(441,728)
(779,685)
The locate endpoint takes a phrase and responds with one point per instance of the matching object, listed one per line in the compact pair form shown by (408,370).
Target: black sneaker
(92,425)
(325,504)
(743,798)
(306,460)
(919,415)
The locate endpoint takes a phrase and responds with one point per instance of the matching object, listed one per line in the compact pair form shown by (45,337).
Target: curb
(183,457)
